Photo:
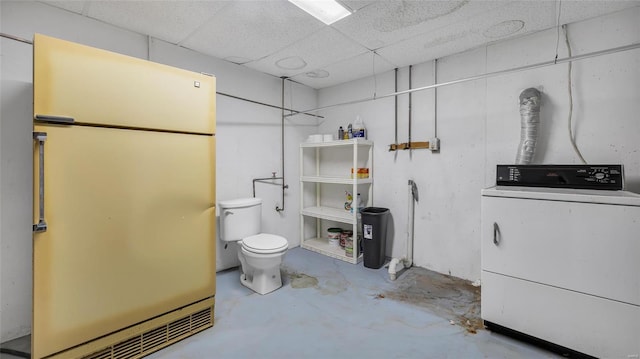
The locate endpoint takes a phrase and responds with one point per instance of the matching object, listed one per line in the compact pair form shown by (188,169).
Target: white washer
(563,265)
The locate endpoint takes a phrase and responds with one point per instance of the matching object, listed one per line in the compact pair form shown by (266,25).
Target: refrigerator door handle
(41,226)
(61,120)
(496,234)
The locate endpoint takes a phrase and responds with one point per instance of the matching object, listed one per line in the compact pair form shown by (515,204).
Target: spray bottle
(358,128)
(349,202)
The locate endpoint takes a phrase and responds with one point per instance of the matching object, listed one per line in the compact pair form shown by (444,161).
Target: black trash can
(374,236)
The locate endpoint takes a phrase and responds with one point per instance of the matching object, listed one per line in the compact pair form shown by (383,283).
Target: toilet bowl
(260,254)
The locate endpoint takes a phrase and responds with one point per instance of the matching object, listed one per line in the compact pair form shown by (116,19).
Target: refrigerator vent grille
(127,349)
(154,339)
(200,319)
(179,328)
(103,354)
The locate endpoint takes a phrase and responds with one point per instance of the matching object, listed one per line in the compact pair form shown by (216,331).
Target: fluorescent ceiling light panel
(327,11)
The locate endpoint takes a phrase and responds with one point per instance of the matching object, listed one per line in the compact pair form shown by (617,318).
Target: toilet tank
(240,218)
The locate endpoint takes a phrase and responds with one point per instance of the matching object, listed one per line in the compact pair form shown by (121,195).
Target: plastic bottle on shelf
(350,133)
(359,129)
(348,204)
(340,133)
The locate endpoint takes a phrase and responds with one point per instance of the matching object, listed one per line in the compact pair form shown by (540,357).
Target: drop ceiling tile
(528,16)
(250,30)
(386,22)
(356,67)
(258,33)
(320,49)
(573,11)
(74,6)
(170,21)
(355,5)
(418,50)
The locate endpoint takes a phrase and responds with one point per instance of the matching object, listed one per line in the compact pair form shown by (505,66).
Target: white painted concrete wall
(478,123)
(248,138)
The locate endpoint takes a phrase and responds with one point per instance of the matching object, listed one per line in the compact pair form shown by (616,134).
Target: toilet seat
(264,243)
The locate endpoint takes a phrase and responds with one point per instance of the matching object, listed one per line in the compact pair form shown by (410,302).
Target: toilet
(260,254)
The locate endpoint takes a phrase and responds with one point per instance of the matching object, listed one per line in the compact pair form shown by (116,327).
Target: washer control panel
(607,177)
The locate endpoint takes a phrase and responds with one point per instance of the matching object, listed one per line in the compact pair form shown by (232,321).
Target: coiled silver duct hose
(529,123)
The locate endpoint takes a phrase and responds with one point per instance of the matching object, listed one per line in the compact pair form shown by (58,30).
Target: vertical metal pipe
(435,98)
(280,209)
(396,102)
(410,96)
(148,47)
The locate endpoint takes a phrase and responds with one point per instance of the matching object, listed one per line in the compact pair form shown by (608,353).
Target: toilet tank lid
(239,203)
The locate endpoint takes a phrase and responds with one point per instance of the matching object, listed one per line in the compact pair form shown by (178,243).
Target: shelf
(337,157)
(336,180)
(329,213)
(322,246)
(357,141)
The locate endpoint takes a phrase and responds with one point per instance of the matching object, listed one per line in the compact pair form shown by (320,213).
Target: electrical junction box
(434,144)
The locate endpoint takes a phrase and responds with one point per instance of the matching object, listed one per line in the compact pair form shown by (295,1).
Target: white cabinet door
(583,247)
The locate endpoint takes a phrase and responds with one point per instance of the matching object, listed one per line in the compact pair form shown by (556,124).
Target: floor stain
(299,280)
(455,299)
(452,298)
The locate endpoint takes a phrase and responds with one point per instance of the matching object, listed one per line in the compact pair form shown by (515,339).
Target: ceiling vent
(291,63)
(503,29)
(319,74)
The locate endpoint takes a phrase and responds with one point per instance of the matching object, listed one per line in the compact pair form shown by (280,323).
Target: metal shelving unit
(361,152)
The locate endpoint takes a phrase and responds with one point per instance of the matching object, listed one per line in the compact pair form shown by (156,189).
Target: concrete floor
(331,309)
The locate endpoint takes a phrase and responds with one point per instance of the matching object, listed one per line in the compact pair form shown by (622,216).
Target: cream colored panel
(101,87)
(589,324)
(573,250)
(131,230)
(147,337)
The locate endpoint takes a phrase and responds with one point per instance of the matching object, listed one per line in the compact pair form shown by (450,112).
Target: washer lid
(596,196)
(265,243)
